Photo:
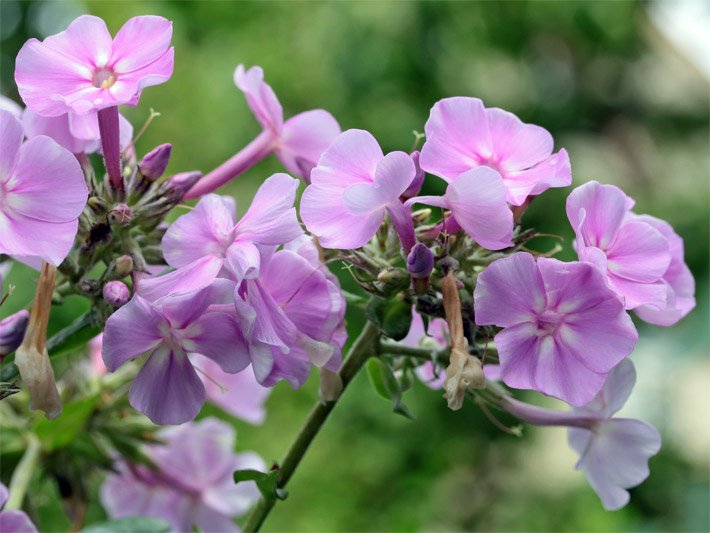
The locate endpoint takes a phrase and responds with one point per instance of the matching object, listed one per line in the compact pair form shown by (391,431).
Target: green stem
(364,347)
(23,473)
(417,352)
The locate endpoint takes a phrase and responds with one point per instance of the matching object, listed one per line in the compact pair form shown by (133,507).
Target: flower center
(548,323)
(104,78)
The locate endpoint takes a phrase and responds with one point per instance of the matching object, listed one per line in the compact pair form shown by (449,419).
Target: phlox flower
(641,256)
(436,337)
(238,394)
(83,69)
(563,328)
(191,483)
(297,142)
(167,389)
(461,134)
(209,242)
(613,452)
(292,315)
(42,194)
(352,188)
(13,521)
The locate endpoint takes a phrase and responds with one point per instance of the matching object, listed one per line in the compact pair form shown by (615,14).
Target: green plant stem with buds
(364,347)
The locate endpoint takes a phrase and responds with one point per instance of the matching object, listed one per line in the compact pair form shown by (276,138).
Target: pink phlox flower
(292,315)
(633,252)
(191,484)
(436,337)
(13,521)
(42,194)
(167,389)
(614,452)
(299,141)
(352,188)
(239,394)
(461,135)
(209,242)
(563,328)
(83,69)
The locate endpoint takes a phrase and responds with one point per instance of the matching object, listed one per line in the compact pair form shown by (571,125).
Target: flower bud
(177,185)
(418,180)
(116,293)
(420,261)
(123,266)
(120,215)
(155,162)
(12,331)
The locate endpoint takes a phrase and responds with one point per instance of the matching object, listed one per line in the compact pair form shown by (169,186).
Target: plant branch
(364,347)
(416,352)
(23,473)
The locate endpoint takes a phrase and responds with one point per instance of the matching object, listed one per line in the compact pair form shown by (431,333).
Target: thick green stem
(417,352)
(23,473)
(364,347)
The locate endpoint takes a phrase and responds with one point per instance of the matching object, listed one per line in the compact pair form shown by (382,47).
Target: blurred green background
(622,85)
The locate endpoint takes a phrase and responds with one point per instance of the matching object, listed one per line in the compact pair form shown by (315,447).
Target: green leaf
(59,433)
(265,481)
(130,525)
(386,385)
(392,317)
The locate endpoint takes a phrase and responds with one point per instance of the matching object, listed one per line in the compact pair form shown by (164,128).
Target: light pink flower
(42,194)
(352,188)
(208,242)
(83,69)
(461,134)
(613,452)
(13,521)
(238,394)
(641,256)
(477,200)
(191,484)
(438,330)
(564,329)
(298,142)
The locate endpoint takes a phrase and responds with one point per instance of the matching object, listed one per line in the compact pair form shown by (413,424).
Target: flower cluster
(220,308)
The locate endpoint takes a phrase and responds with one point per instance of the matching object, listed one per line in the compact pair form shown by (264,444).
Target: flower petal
(218,337)
(516,145)
(605,207)
(11,134)
(555,171)
(140,42)
(196,275)
(351,158)
(639,253)
(304,138)
(260,96)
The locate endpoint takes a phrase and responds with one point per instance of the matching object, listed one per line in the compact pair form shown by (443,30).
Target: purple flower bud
(180,183)
(418,180)
(155,162)
(12,331)
(420,261)
(116,293)
(120,215)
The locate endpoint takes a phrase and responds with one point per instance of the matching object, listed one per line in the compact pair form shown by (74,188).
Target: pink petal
(478,203)
(616,390)
(243,260)
(351,158)
(196,275)
(326,217)
(11,135)
(457,137)
(205,230)
(260,97)
(58,129)
(31,241)
(271,218)
(509,291)
(271,325)
(304,138)
(555,171)
(217,337)
(143,321)
(605,207)
(637,293)
(140,42)
(639,253)
(516,145)
(167,389)
(182,309)
(128,86)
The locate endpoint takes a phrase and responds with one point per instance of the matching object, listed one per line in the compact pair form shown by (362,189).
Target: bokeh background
(622,85)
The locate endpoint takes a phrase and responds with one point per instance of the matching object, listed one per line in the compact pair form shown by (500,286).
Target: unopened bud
(393,279)
(418,180)
(120,215)
(177,185)
(123,266)
(420,261)
(97,205)
(116,293)
(155,162)
(12,331)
